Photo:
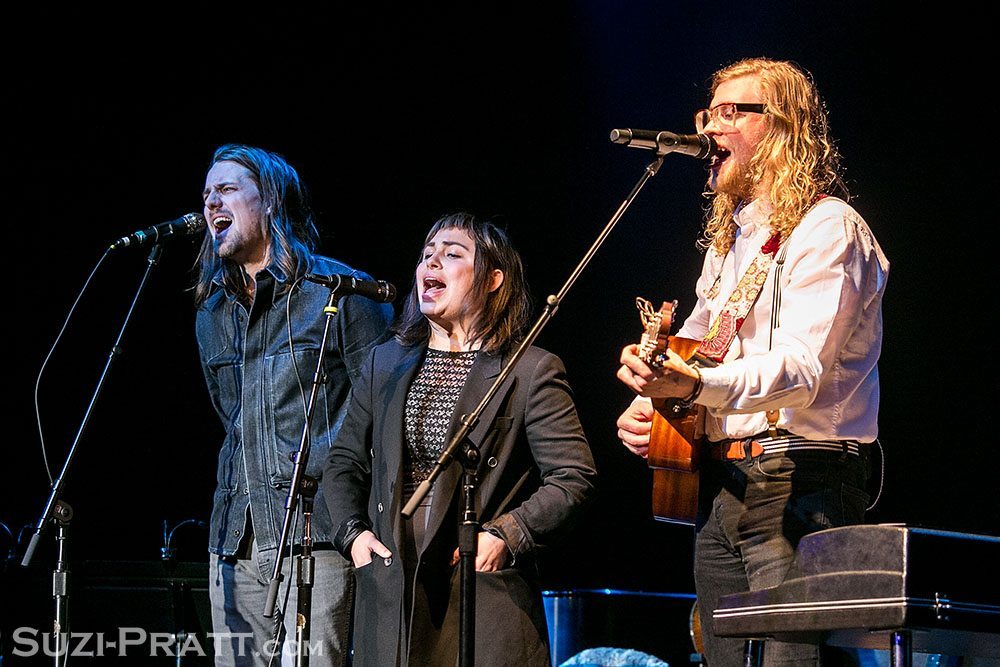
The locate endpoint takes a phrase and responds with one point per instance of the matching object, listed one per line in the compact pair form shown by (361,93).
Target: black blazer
(536,469)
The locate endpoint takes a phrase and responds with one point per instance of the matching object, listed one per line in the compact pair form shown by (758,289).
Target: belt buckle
(737,449)
(733,451)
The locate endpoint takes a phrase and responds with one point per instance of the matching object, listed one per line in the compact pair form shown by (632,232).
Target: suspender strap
(779,264)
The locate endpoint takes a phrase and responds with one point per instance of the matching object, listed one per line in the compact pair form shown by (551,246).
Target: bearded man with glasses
(789,314)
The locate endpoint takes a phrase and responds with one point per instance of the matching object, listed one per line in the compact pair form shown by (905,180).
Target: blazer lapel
(481,377)
(399,377)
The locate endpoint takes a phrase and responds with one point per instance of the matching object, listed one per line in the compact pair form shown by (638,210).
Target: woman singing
(468,306)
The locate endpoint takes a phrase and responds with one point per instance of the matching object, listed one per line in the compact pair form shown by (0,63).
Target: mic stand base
(62,515)
(305,566)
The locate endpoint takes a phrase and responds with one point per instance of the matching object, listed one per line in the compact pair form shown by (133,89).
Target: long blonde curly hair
(795,160)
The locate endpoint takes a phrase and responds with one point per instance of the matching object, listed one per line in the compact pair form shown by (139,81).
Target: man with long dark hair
(790,323)
(259,329)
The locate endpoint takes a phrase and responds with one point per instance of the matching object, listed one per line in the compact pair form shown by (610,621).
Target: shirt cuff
(715,383)
(349,530)
(508,530)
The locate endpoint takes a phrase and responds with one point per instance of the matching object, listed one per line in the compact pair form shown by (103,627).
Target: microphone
(698,146)
(192,223)
(343,284)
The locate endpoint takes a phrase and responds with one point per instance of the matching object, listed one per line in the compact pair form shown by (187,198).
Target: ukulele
(678,428)
(694,630)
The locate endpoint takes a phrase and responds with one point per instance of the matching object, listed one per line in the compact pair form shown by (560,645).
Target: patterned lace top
(430,405)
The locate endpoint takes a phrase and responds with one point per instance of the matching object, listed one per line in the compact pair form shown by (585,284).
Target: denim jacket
(248,366)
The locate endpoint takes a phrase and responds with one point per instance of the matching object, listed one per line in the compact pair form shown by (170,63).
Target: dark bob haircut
(503,313)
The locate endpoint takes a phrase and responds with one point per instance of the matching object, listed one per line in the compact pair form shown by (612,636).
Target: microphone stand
(305,486)
(305,568)
(56,509)
(462,449)
(60,583)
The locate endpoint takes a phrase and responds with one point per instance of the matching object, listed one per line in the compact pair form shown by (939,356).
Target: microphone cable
(55,343)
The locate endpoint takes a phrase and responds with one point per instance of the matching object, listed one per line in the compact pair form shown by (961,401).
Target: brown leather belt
(734,450)
(754,446)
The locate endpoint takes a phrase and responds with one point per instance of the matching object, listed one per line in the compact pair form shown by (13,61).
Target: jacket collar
(273,270)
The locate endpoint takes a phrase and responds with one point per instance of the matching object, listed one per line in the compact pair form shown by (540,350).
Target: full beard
(225,248)
(231,248)
(732,180)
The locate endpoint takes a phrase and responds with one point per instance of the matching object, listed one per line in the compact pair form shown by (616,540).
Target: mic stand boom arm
(52,505)
(460,448)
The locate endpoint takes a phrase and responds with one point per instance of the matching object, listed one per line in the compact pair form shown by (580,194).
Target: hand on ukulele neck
(672,378)
(652,368)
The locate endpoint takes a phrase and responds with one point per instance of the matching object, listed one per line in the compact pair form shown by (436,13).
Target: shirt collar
(276,272)
(751,216)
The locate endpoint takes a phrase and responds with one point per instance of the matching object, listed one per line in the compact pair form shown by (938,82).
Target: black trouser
(753,512)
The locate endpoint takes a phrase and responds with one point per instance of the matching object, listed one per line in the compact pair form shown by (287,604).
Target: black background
(396,116)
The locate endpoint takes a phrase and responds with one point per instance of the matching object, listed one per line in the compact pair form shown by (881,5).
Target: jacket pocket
(377,612)
(285,414)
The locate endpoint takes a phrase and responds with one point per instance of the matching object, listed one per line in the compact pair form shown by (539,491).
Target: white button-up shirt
(819,366)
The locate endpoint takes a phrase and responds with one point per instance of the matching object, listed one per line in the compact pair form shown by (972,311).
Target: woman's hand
(491,553)
(364,545)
